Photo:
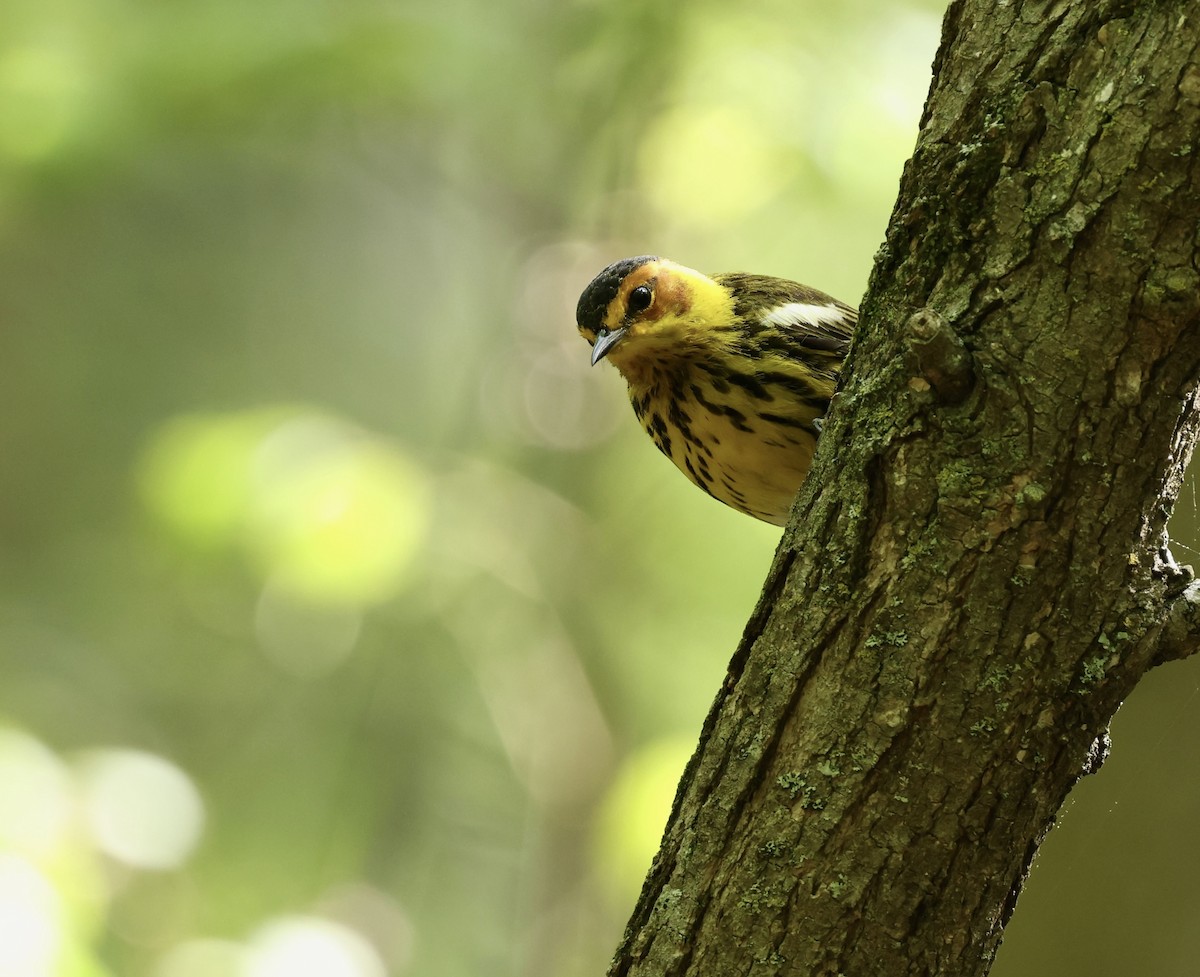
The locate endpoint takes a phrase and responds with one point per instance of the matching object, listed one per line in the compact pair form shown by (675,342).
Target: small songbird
(729,374)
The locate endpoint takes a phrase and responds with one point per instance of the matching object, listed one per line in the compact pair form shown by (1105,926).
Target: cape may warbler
(729,374)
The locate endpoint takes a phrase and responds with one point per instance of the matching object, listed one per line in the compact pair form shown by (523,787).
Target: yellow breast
(749,445)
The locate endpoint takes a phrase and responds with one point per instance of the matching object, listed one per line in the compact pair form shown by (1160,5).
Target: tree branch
(1180,635)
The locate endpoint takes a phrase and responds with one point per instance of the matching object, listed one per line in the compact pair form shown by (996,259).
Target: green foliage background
(348,624)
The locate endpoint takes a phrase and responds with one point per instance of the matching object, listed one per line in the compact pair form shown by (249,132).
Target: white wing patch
(803,314)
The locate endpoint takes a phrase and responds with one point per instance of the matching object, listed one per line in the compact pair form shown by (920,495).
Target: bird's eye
(639,300)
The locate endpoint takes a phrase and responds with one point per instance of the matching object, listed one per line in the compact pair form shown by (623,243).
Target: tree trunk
(976,573)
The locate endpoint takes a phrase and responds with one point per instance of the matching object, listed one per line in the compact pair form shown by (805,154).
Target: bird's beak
(606,340)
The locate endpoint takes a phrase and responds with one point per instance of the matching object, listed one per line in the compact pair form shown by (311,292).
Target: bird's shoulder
(808,315)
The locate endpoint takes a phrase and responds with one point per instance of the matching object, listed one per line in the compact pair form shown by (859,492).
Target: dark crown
(597,297)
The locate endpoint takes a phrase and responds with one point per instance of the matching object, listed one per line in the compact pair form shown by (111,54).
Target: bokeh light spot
(377,916)
(31,927)
(634,813)
(41,91)
(338,516)
(305,946)
(303,638)
(204,958)
(35,795)
(320,507)
(141,809)
(195,475)
(709,163)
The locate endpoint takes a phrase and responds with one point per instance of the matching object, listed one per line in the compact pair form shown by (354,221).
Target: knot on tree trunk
(938,357)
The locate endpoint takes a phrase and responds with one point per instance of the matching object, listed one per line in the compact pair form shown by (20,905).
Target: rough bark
(976,574)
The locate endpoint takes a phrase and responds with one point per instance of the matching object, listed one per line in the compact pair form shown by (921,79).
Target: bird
(729,374)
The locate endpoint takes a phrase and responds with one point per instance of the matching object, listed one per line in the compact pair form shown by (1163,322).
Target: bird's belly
(754,465)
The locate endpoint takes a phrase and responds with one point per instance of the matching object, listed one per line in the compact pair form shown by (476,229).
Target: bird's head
(647,310)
